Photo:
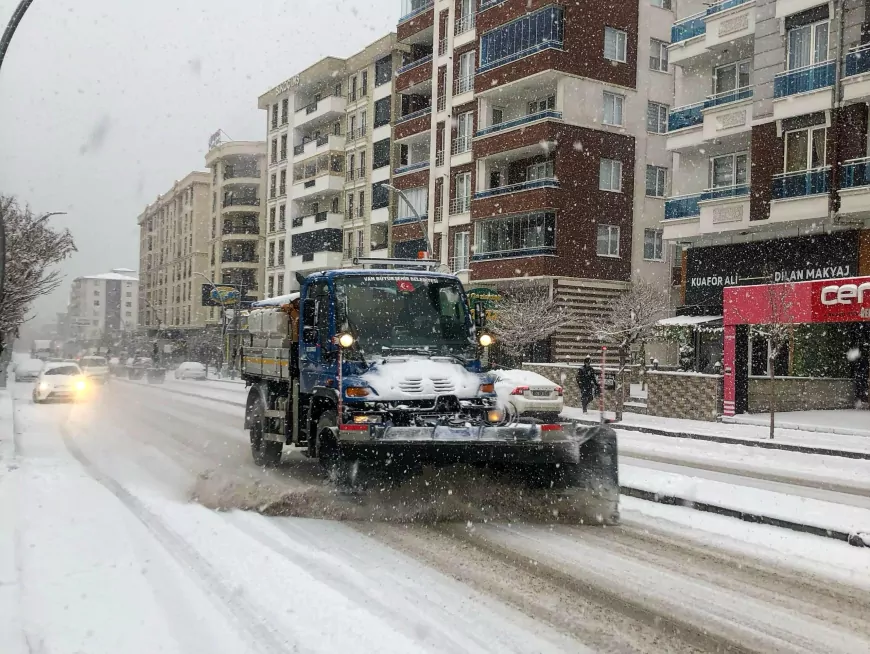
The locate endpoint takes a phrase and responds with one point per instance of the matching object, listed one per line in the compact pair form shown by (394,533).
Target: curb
(767,445)
(855,539)
(818,429)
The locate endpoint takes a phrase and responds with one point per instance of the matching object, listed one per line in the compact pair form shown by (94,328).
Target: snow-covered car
(523,393)
(190,370)
(28,370)
(96,368)
(61,381)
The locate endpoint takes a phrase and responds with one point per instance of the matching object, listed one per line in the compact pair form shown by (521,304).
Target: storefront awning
(687,321)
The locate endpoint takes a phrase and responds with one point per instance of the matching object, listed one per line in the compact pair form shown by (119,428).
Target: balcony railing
(311,107)
(461,144)
(240,258)
(413,64)
(401,220)
(460,205)
(236,174)
(722,5)
(422,7)
(857,61)
(442,47)
(407,168)
(554,43)
(360,173)
(464,23)
(689,27)
(241,202)
(442,103)
(460,263)
(803,80)
(726,97)
(801,183)
(684,206)
(356,134)
(735,191)
(299,149)
(359,94)
(439,158)
(229,229)
(414,114)
(683,117)
(463,85)
(439,214)
(516,122)
(349,175)
(855,173)
(550,182)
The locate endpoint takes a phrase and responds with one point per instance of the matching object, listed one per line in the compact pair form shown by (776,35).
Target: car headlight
(81,385)
(43,386)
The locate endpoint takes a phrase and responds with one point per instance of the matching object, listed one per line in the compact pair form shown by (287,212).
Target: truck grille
(411,385)
(443,386)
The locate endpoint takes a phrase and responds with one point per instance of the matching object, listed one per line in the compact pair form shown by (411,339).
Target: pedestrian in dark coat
(587,381)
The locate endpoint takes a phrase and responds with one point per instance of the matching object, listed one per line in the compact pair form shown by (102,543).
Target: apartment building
(104,306)
(531,138)
(769,134)
(174,255)
(237,221)
(326,203)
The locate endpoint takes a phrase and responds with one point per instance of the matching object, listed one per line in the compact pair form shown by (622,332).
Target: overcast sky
(105,103)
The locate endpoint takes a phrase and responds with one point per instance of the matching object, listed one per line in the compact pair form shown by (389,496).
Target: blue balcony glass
(723,5)
(414,64)
(801,183)
(414,8)
(857,61)
(408,168)
(727,97)
(414,114)
(736,191)
(855,173)
(683,117)
(802,80)
(688,28)
(513,188)
(516,122)
(685,206)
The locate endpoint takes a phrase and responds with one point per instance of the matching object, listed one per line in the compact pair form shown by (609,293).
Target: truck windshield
(404,312)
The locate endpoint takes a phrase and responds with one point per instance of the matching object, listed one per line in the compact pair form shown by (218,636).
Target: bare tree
(32,248)
(528,314)
(630,319)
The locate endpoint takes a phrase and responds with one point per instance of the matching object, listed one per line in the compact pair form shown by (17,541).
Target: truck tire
(346,473)
(265,453)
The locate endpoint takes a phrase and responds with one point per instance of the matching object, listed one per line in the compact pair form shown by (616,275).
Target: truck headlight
(494,415)
(485,340)
(346,340)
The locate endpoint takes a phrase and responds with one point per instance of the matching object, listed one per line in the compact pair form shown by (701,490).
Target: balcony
(689,28)
(409,168)
(412,123)
(463,85)
(414,114)
(325,184)
(460,205)
(414,74)
(442,103)
(310,147)
(803,90)
(552,43)
(728,113)
(486,4)
(856,81)
(715,28)
(855,187)
(461,144)
(414,8)
(464,24)
(439,214)
(519,122)
(401,220)
(683,206)
(724,208)
(321,111)
(517,188)
(685,127)
(412,65)
(357,134)
(246,175)
(439,158)
(801,195)
(316,220)
(245,203)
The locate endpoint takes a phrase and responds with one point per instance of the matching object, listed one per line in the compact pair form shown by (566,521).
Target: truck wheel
(265,453)
(347,474)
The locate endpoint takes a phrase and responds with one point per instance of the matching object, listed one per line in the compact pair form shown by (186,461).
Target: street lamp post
(423,226)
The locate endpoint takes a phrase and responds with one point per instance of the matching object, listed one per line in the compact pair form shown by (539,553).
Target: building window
(383,70)
(281,252)
(653,245)
(283,147)
(613,105)
(658,58)
(661,4)
(383,111)
(608,241)
(542,170)
(461,251)
(96,303)
(362,204)
(732,77)
(807,45)
(285,105)
(610,175)
(274,116)
(657,118)
(419,200)
(543,104)
(520,37)
(271,253)
(271,286)
(381,154)
(378,235)
(615,44)
(274,151)
(729,170)
(273,182)
(524,232)
(128,304)
(282,188)
(805,149)
(282,217)
(380,196)
(656,181)
(271,219)
(497,116)
(280,285)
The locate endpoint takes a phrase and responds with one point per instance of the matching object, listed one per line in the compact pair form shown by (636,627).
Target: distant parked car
(95,367)
(524,393)
(28,370)
(191,370)
(60,381)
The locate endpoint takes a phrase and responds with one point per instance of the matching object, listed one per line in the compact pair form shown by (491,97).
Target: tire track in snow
(244,614)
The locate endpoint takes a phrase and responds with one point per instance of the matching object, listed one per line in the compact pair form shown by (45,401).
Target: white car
(28,370)
(95,367)
(191,370)
(523,393)
(60,381)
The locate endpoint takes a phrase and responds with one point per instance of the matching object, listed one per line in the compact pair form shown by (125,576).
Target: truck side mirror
(479,315)
(309,311)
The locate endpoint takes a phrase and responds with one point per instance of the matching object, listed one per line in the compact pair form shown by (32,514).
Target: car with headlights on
(523,393)
(28,370)
(95,368)
(191,370)
(61,381)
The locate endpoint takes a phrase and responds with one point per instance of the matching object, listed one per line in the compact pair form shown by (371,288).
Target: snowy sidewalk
(791,439)
(7,431)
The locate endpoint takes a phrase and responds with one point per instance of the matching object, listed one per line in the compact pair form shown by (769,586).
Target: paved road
(128,484)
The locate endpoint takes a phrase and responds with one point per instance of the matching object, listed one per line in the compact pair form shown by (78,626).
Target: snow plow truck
(380,370)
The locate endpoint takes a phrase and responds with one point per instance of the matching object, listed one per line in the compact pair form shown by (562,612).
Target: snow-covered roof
(112,276)
(276,301)
(687,321)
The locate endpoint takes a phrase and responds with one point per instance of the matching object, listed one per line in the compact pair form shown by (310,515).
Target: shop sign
(846,301)
(220,295)
(807,258)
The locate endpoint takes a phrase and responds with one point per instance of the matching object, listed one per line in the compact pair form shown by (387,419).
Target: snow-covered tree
(629,320)
(527,314)
(32,248)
